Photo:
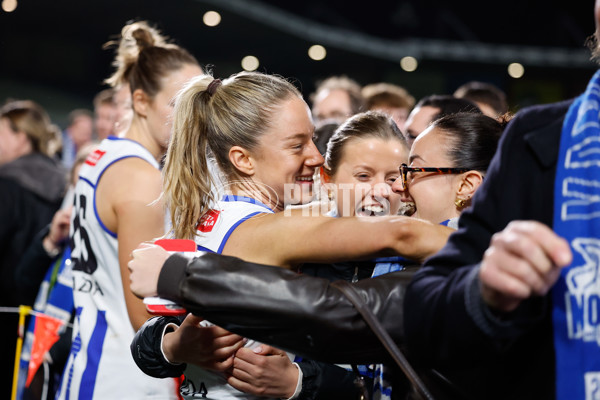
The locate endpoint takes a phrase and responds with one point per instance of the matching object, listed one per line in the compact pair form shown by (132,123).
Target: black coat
(444,315)
(31,191)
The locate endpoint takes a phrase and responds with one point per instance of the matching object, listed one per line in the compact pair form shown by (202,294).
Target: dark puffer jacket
(31,190)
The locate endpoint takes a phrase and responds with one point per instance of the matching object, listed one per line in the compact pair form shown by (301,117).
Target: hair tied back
(212,87)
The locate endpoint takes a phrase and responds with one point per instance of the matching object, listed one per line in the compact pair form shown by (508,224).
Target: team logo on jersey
(208,221)
(95,156)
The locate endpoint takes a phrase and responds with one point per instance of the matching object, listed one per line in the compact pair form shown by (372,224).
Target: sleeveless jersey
(213,231)
(100,365)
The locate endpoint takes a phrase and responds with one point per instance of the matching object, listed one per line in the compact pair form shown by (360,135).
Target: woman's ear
(140,102)
(241,160)
(468,185)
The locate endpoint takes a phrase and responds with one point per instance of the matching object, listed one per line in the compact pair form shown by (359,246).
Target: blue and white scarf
(576,295)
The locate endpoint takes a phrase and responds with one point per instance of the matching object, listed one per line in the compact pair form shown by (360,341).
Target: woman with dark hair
(361,165)
(447,163)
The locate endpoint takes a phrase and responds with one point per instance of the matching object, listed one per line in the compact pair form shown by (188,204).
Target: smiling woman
(447,164)
(361,165)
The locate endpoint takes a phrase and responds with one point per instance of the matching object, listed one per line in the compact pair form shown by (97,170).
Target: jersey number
(82,256)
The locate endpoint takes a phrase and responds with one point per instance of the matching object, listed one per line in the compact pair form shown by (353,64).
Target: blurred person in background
(336,98)
(490,99)
(323,132)
(32,186)
(78,133)
(105,114)
(391,99)
(430,108)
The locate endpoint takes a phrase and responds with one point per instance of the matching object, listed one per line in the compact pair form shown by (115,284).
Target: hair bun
(143,38)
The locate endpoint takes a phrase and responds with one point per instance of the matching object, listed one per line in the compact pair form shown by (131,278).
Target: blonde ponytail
(186,178)
(210,117)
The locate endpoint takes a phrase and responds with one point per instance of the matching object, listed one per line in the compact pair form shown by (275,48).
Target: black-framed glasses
(405,169)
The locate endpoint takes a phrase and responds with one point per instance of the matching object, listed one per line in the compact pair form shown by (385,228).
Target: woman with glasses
(448,162)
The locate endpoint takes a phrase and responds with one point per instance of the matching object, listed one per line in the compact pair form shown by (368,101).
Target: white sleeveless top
(100,365)
(214,230)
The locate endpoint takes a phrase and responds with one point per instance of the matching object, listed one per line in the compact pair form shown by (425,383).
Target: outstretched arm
(289,238)
(297,313)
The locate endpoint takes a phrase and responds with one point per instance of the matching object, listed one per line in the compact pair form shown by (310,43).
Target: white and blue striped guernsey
(213,232)
(217,225)
(100,365)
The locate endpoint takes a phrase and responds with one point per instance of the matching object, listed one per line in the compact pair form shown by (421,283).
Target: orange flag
(45,334)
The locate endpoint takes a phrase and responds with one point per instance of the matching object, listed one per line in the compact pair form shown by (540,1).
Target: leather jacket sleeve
(294,312)
(146,352)
(322,381)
